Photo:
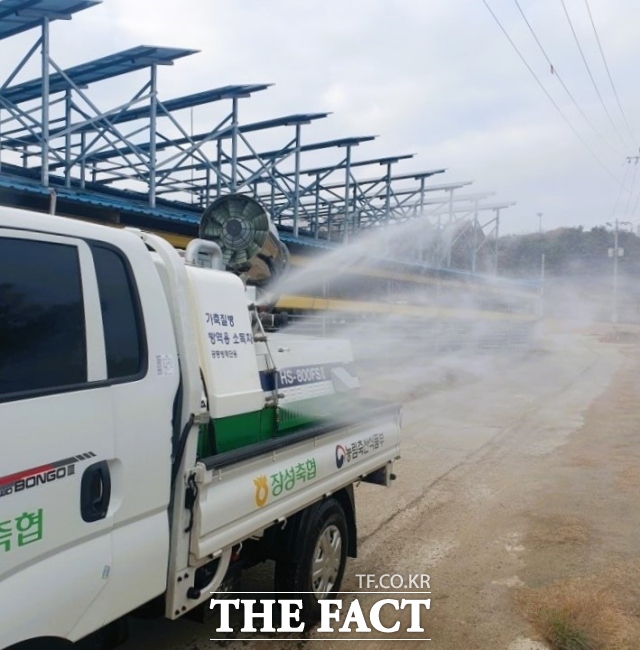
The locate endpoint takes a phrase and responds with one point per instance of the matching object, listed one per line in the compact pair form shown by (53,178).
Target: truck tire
(318,574)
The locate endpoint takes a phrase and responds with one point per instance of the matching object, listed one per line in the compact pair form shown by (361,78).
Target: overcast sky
(432,77)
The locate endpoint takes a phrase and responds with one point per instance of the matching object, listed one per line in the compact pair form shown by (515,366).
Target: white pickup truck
(155,441)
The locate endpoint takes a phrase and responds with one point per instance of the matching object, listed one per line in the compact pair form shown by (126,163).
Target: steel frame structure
(56,130)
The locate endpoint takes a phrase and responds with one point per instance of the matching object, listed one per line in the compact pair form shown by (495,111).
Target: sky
(437,78)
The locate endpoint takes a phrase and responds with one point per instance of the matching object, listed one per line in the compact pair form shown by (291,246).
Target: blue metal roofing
(133,203)
(126,204)
(113,65)
(18,16)
(306,241)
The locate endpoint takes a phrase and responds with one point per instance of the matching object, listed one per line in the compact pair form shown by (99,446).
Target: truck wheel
(321,567)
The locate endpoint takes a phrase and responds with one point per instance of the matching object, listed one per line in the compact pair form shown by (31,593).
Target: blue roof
(306,241)
(113,65)
(18,16)
(133,204)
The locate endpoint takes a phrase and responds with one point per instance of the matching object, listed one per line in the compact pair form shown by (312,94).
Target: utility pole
(541,292)
(614,314)
(542,260)
(616,252)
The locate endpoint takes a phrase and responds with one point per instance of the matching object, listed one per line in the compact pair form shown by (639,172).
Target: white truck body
(104,501)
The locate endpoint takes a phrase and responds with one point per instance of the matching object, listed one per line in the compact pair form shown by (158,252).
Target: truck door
(143,373)
(58,482)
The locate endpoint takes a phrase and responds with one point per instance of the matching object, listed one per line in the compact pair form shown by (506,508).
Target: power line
(604,60)
(593,81)
(557,74)
(549,97)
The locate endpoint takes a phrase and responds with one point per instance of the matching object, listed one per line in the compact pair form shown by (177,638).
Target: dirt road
(519,471)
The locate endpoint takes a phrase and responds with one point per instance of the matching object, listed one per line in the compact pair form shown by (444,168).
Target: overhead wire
(593,81)
(549,97)
(562,83)
(613,86)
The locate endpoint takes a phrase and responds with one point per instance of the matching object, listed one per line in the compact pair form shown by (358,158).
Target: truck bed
(244,491)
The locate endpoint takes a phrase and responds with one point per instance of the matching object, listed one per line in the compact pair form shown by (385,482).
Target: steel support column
(474,242)
(317,208)
(450,242)
(495,254)
(45,101)
(218,174)
(153,115)
(296,189)
(347,194)
(234,145)
(68,105)
(387,200)
(422,220)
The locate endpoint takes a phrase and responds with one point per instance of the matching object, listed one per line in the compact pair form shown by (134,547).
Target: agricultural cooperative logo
(358,449)
(283,481)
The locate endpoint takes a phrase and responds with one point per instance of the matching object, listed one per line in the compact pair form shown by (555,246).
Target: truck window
(42,326)
(124,339)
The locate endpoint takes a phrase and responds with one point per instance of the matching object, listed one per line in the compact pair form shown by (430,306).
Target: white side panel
(139,572)
(71,552)
(48,596)
(240,500)
(294,350)
(308,367)
(225,342)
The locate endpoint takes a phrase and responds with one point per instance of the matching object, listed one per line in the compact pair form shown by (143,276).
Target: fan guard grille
(239,225)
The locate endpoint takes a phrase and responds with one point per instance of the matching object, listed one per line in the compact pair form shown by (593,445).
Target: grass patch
(579,615)
(561,634)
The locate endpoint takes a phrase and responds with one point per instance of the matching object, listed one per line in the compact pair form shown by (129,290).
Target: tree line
(568,252)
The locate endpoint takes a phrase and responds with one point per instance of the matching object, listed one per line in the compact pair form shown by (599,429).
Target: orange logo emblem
(262,490)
